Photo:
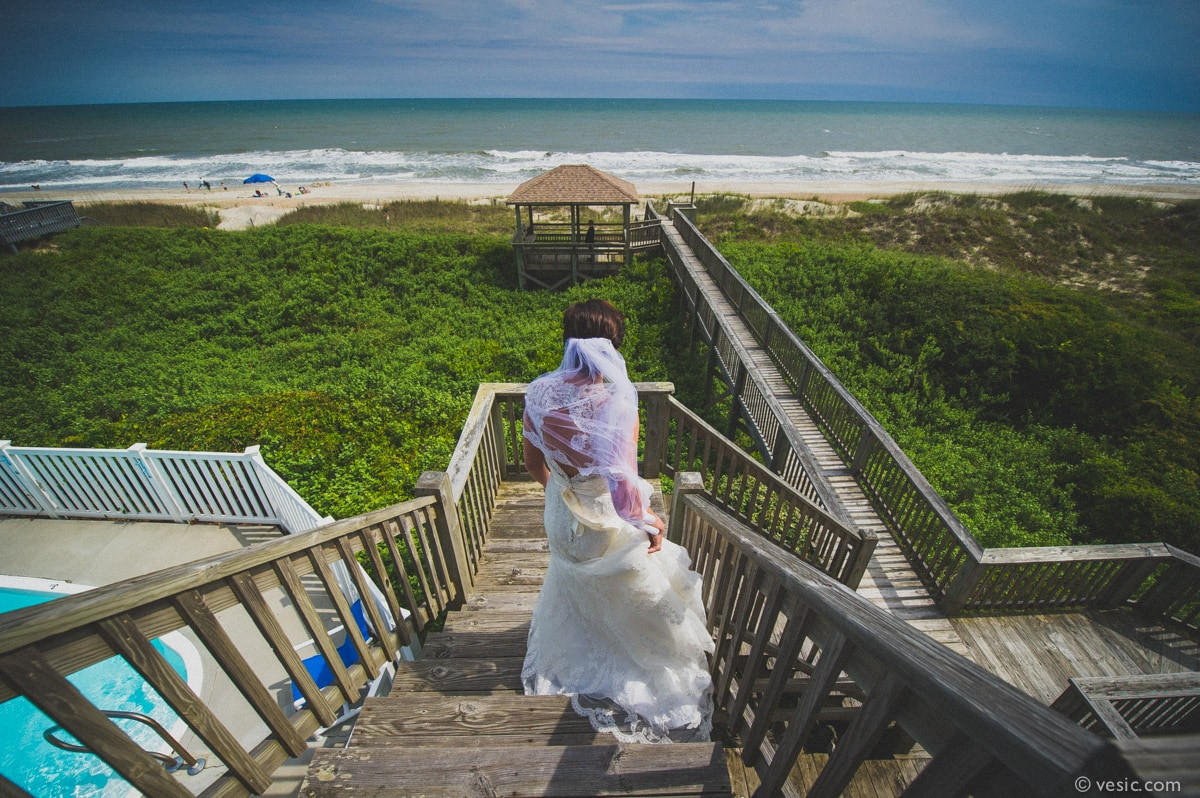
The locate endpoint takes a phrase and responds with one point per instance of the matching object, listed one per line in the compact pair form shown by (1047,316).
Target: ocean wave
(501,166)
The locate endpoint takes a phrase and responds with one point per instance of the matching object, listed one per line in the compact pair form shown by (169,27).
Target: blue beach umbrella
(259,178)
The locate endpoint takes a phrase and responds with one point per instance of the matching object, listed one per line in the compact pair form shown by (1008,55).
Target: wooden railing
(645,234)
(265,599)
(764,501)
(35,220)
(958,572)
(794,647)
(1126,707)
(774,435)
(675,439)
(150,485)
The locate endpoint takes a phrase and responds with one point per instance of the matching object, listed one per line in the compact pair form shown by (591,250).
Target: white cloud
(886,25)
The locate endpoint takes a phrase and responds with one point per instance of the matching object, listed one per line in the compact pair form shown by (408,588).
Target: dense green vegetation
(149,214)
(351,356)
(1045,414)
(1035,355)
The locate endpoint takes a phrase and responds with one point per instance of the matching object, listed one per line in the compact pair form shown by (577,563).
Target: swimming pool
(43,770)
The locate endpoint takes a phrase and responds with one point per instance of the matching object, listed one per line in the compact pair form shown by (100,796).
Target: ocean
(506,141)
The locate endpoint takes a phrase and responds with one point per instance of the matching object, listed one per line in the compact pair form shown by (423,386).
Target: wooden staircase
(457,723)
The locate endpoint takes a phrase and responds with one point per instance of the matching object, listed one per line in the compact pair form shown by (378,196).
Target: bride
(619,624)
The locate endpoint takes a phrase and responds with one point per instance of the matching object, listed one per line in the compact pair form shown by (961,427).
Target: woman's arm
(535,461)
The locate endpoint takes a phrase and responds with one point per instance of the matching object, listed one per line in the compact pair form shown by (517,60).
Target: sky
(1141,54)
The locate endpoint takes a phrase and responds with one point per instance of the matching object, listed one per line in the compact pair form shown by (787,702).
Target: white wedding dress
(620,630)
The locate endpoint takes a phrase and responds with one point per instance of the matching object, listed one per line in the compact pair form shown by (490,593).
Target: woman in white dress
(619,624)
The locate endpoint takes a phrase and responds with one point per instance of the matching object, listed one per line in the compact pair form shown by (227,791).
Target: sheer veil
(583,416)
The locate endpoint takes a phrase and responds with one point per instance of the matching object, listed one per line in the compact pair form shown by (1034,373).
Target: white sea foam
(296,167)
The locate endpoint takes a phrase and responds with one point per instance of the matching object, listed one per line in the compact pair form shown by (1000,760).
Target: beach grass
(150,214)
(428,216)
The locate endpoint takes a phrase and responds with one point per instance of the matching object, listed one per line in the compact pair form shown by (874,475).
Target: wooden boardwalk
(890,581)
(457,723)
(1036,653)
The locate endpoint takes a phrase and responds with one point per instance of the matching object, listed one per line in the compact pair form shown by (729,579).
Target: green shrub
(351,356)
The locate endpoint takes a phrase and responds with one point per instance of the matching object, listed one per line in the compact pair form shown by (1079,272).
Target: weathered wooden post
(686,482)
(657,426)
(959,591)
(449,530)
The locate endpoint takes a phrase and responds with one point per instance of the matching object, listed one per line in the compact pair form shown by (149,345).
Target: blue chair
(318,667)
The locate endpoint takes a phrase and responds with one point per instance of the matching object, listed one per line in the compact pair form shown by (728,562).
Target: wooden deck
(1039,653)
(477,733)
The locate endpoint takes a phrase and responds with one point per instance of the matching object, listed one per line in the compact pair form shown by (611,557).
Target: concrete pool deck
(102,552)
(96,553)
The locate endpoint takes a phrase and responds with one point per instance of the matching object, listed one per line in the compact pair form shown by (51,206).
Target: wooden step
(536,544)
(513,569)
(496,619)
(475,645)
(501,599)
(376,769)
(460,676)
(425,716)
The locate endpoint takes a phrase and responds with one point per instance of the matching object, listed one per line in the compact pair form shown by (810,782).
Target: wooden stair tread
(460,675)
(495,620)
(484,643)
(500,599)
(433,715)
(588,770)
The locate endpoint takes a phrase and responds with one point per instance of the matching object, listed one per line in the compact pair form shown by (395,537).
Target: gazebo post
(628,238)
(519,246)
(574,244)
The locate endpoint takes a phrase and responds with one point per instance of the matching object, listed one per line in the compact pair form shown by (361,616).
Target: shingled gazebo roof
(574,184)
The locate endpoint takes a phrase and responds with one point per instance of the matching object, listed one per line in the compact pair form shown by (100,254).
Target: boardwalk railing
(674,440)
(795,647)
(774,435)
(958,572)
(36,220)
(1134,706)
(266,599)
(150,485)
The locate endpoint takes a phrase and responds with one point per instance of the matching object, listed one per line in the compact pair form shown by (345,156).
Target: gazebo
(552,250)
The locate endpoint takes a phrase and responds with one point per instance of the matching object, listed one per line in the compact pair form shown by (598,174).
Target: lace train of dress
(619,630)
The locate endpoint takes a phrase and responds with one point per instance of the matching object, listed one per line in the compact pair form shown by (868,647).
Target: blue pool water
(43,770)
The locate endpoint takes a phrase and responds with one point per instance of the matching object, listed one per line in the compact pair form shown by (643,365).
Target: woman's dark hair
(595,318)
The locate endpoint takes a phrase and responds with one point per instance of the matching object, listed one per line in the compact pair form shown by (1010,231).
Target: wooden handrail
(781,625)
(956,569)
(774,434)
(286,589)
(674,439)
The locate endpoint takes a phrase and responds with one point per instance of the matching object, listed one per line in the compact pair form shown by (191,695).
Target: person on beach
(619,624)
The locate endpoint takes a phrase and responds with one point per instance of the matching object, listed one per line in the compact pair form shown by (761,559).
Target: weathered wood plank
(1039,653)
(475,645)
(460,675)
(661,770)
(500,600)
(419,715)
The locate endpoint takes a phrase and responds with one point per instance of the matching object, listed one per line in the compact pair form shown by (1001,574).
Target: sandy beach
(240,209)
